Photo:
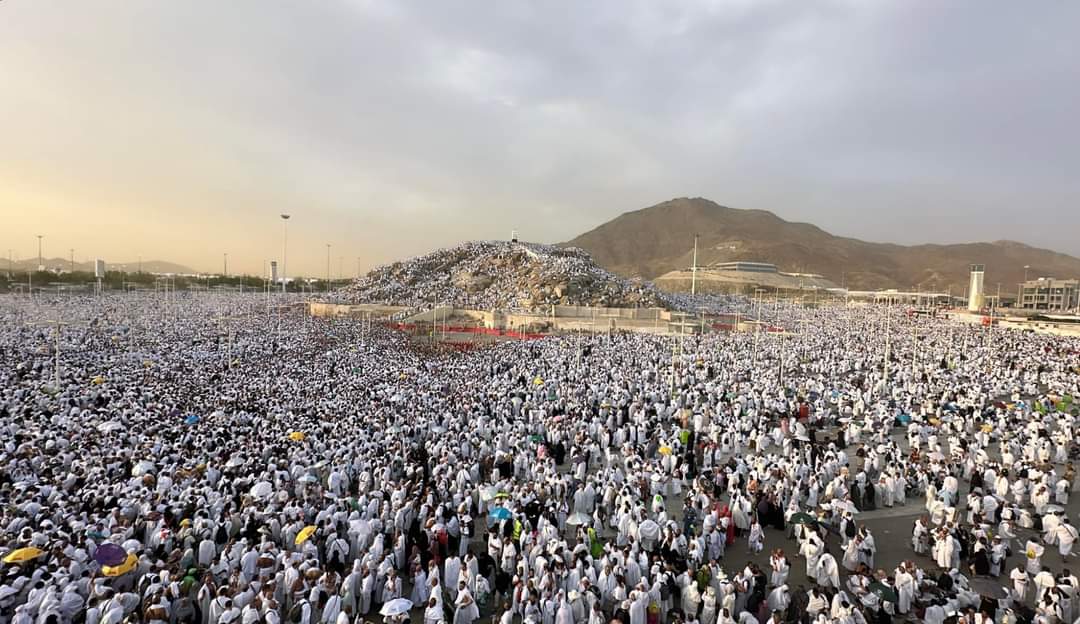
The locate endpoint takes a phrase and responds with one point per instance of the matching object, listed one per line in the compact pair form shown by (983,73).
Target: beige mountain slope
(652,241)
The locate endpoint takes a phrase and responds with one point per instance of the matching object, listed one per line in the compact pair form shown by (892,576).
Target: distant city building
(1047,293)
(975,289)
(746,267)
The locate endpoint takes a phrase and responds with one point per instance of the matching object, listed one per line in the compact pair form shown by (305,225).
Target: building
(975,288)
(1047,293)
(746,267)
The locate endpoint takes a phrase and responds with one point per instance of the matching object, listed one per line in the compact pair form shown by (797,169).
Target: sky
(181,131)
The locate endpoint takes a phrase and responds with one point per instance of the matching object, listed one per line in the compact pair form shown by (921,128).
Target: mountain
(650,242)
(64,264)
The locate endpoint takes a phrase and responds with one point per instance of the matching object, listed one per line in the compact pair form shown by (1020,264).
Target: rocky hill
(500,275)
(650,242)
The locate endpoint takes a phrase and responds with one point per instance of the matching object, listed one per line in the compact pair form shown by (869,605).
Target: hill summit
(503,275)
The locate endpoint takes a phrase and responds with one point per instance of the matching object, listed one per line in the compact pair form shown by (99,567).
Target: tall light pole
(327,267)
(693,269)
(358,268)
(57,325)
(284,247)
(39,259)
(226,265)
(72,261)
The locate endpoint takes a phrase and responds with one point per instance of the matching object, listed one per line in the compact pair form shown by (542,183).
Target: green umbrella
(883,591)
(802,518)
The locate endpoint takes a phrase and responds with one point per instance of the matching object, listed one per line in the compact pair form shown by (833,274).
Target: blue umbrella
(191,419)
(500,513)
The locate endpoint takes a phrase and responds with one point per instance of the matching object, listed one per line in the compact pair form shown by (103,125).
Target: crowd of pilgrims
(255,465)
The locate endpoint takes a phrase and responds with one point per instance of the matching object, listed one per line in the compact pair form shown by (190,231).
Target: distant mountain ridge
(652,241)
(64,264)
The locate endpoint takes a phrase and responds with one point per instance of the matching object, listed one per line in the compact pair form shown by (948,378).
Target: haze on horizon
(180,130)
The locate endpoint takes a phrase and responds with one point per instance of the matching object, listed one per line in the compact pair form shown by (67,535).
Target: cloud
(388,128)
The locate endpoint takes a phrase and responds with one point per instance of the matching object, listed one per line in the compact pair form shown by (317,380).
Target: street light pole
(39,258)
(693,269)
(888,346)
(284,248)
(327,267)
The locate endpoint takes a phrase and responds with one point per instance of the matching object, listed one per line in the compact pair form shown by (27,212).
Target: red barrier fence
(469,330)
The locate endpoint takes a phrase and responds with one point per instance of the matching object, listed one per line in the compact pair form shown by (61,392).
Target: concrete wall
(567,318)
(623,313)
(427,316)
(316,308)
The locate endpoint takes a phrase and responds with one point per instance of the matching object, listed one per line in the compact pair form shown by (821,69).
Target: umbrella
(500,513)
(110,555)
(502,496)
(802,518)
(665,450)
(1055,508)
(538,382)
(536,438)
(23,555)
(97,381)
(297,436)
(397,606)
(305,534)
(191,419)
(141,468)
(883,591)
(579,518)
(649,530)
(262,489)
(127,566)
(488,493)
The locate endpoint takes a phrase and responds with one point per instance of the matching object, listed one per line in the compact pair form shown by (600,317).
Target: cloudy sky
(180,130)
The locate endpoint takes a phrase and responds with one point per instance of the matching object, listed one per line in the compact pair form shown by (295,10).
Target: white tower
(975,289)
